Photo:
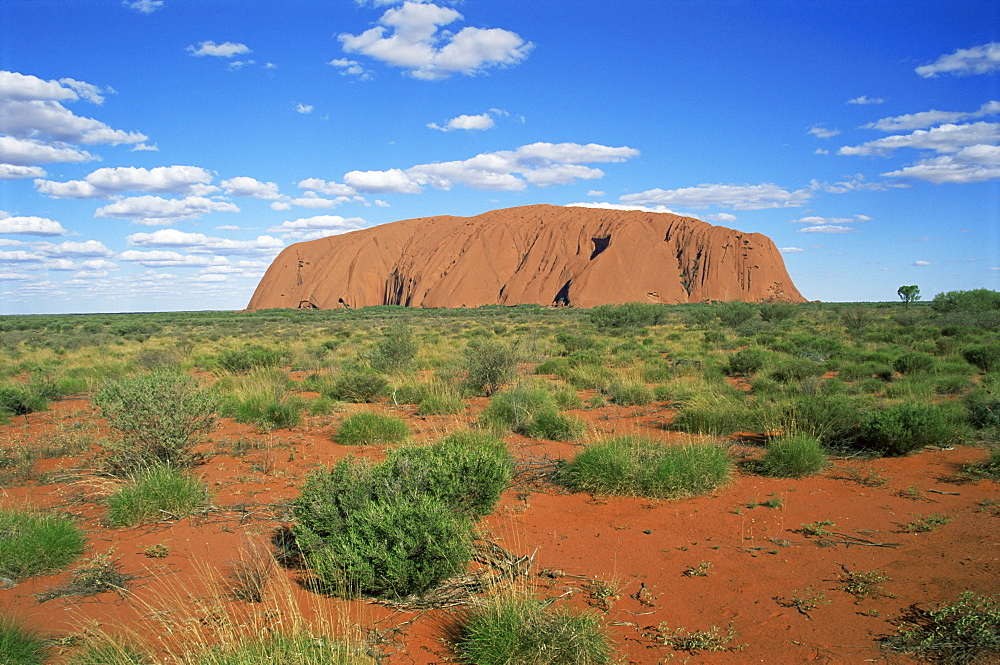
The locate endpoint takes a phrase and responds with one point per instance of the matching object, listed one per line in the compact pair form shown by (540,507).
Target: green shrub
(590,377)
(20,645)
(466,470)
(631,393)
(19,399)
(33,543)
(359,386)
(908,427)
(736,312)
(392,549)
(984,408)
(986,357)
(717,414)
(490,364)
(630,316)
(368,428)
(797,369)
(518,630)
(394,350)
(555,426)
(976,300)
(793,456)
(260,398)
(963,632)
(554,366)
(913,363)
(155,418)
(747,361)
(572,343)
(567,398)
(639,466)
(251,357)
(156,493)
(778,311)
(513,410)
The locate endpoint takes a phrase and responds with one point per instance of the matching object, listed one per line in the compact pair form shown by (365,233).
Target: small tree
(908,294)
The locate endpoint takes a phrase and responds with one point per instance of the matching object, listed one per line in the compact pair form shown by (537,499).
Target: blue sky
(157,154)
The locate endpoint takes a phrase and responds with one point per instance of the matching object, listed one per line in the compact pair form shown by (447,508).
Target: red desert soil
(538,254)
(758,561)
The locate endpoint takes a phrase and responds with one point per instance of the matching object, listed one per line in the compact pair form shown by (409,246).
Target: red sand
(758,560)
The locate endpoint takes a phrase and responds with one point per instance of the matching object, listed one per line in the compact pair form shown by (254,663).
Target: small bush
(976,300)
(513,410)
(986,357)
(490,364)
(630,316)
(778,311)
(638,466)
(554,426)
(913,363)
(523,631)
(797,369)
(793,456)
(631,393)
(154,494)
(567,398)
(747,361)
(156,419)
(963,632)
(908,427)
(359,386)
(369,428)
(736,312)
(466,470)
(251,357)
(20,645)
(19,400)
(33,543)
(394,350)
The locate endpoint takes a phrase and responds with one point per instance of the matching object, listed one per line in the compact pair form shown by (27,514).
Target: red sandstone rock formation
(534,254)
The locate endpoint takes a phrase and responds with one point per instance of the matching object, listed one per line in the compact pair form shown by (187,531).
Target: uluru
(539,254)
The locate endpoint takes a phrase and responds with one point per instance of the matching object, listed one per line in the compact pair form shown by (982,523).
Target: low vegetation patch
(19,645)
(399,527)
(519,630)
(640,466)
(32,543)
(962,632)
(154,494)
(369,428)
(156,419)
(793,456)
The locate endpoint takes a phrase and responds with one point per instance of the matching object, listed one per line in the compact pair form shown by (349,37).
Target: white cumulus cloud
(169,259)
(815,221)
(469,122)
(865,99)
(224,50)
(822,132)
(153,210)
(199,243)
(144,6)
(827,228)
(107,182)
(736,197)
(922,119)
(943,139)
(33,226)
(977,163)
(351,68)
(411,37)
(246,186)
(984,59)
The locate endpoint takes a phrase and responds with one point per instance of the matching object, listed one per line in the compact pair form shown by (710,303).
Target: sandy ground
(643,554)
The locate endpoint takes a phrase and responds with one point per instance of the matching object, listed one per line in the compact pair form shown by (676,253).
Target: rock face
(533,254)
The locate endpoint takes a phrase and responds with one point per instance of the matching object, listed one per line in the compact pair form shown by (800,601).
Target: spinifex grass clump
(359,385)
(519,630)
(399,527)
(32,543)
(368,428)
(251,357)
(156,418)
(260,398)
(530,410)
(395,349)
(20,645)
(640,466)
(793,456)
(489,365)
(630,392)
(156,493)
